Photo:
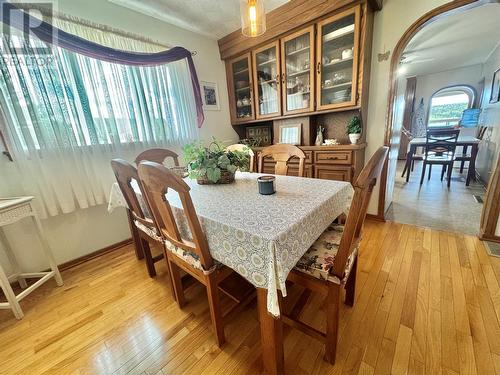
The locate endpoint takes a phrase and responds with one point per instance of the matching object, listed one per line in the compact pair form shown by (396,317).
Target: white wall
(490,116)
(76,234)
(430,83)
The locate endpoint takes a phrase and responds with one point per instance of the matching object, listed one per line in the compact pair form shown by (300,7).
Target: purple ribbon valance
(46,32)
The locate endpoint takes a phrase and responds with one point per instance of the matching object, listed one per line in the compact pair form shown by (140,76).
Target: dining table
(465,141)
(261,237)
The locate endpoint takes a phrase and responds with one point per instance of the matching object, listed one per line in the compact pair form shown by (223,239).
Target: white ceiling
(453,41)
(212,18)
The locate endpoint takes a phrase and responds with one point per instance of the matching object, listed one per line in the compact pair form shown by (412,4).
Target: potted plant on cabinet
(213,164)
(354,129)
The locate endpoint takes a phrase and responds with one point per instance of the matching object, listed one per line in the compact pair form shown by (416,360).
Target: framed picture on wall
(495,87)
(210,96)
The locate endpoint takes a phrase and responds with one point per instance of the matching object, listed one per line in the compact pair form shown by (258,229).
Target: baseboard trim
(375,217)
(94,254)
(484,237)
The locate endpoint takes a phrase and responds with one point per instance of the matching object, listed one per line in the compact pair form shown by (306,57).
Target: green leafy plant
(354,126)
(212,160)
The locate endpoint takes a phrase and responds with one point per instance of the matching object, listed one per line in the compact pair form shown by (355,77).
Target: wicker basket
(226,177)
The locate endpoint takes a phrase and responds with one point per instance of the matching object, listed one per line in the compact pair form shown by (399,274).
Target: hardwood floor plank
(402,353)
(426,302)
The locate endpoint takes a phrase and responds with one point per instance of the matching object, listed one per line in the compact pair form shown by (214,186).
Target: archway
(433,15)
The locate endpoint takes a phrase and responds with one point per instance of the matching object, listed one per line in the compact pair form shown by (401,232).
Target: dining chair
(241,147)
(157,155)
(440,147)
(189,253)
(282,153)
(466,156)
(331,262)
(144,229)
(417,156)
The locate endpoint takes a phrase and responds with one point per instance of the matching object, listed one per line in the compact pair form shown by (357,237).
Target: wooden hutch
(311,67)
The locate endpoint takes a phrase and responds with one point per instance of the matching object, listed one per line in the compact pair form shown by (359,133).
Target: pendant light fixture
(253,17)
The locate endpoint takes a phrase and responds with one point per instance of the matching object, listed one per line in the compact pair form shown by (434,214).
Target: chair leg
(430,171)
(215,310)
(176,279)
(423,173)
(462,164)
(443,170)
(404,170)
(350,286)
(450,169)
(150,264)
(332,322)
(412,165)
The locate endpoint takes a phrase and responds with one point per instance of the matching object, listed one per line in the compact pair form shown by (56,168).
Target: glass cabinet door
(297,66)
(337,60)
(267,80)
(242,89)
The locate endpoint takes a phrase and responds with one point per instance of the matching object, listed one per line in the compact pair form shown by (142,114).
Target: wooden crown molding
(284,19)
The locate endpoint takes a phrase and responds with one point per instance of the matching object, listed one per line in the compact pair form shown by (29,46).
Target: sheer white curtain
(67,119)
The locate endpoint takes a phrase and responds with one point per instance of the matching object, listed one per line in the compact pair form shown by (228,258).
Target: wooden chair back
(240,147)
(125,173)
(363,187)
(441,141)
(156,180)
(157,155)
(282,153)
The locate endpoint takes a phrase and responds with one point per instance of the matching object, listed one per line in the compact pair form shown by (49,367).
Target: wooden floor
(427,302)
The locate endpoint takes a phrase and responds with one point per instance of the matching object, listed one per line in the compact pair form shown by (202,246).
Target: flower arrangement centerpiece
(214,164)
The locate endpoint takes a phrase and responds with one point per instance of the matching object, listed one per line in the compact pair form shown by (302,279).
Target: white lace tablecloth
(261,236)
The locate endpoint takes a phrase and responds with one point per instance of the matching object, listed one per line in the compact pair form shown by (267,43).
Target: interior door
(337,60)
(297,67)
(267,80)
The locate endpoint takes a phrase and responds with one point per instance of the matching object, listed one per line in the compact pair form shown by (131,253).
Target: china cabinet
(337,59)
(297,66)
(267,80)
(311,69)
(241,89)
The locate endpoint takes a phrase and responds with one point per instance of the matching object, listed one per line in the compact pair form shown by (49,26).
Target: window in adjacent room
(447,105)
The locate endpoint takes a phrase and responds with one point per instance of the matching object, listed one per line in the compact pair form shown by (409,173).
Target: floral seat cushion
(191,258)
(319,259)
(150,231)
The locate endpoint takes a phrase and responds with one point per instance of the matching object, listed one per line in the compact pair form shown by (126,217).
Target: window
(447,105)
(66,100)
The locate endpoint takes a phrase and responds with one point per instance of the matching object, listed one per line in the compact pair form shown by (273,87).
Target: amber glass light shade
(253,17)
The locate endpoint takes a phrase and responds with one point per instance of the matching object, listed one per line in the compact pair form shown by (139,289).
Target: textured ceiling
(454,41)
(212,18)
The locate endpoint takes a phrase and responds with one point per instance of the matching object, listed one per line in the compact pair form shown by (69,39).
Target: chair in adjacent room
(281,154)
(466,156)
(440,147)
(331,261)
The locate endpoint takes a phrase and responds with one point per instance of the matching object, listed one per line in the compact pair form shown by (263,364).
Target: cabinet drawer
(333,173)
(333,157)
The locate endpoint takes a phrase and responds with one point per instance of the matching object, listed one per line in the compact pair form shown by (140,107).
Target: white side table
(11,211)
